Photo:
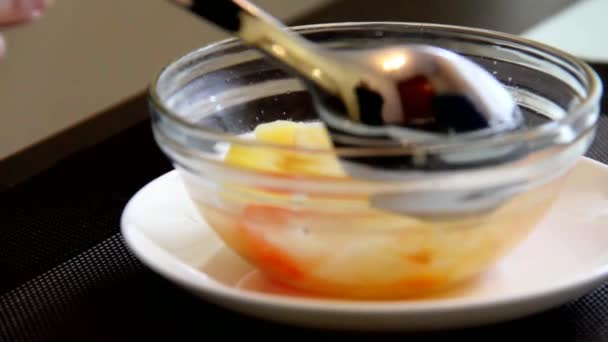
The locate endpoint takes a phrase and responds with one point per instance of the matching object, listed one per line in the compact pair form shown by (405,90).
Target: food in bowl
(335,245)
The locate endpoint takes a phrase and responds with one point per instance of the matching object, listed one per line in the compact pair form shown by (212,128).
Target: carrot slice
(275,259)
(270,257)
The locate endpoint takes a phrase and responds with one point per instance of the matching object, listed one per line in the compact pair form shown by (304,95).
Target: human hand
(13,12)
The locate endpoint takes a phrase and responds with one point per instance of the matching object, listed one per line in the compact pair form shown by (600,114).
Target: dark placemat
(66,274)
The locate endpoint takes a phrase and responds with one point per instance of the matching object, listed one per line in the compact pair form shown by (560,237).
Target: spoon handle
(226,14)
(259,29)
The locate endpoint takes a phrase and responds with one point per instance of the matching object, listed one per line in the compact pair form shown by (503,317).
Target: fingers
(2,47)
(21,11)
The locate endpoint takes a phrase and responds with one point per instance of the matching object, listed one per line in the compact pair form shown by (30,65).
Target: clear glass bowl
(284,204)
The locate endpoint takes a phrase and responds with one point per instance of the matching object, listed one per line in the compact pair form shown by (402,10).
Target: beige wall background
(86,55)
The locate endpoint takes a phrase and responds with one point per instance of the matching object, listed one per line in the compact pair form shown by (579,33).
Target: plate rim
(193,278)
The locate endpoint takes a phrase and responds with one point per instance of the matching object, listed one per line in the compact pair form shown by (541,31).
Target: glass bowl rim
(509,138)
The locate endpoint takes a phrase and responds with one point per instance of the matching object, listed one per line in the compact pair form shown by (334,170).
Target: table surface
(66,273)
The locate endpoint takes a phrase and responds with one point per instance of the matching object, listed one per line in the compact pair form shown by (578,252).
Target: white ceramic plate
(565,257)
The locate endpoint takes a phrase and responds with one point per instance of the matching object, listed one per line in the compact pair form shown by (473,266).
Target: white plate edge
(194,279)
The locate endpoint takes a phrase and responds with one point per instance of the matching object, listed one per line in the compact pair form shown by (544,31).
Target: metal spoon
(425,90)
(391,96)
